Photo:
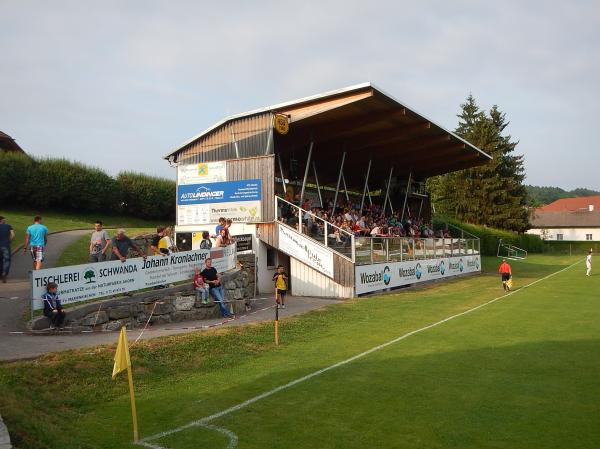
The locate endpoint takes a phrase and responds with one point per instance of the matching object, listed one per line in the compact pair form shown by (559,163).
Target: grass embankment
(519,373)
(20,219)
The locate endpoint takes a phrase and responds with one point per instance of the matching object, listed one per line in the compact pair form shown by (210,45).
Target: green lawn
(20,219)
(523,372)
(78,252)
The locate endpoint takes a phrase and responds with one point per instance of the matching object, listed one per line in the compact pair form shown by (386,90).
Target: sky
(118,85)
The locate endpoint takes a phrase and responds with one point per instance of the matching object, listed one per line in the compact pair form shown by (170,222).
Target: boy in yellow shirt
(281,286)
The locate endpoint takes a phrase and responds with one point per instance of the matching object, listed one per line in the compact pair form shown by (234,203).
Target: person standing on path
(120,247)
(6,235)
(280,278)
(588,263)
(99,243)
(36,239)
(506,273)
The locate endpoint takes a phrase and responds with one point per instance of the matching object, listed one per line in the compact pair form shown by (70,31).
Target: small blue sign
(219,192)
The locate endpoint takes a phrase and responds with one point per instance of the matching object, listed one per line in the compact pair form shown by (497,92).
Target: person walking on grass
(212,278)
(588,263)
(6,235)
(506,273)
(36,239)
(281,285)
(120,247)
(52,307)
(99,243)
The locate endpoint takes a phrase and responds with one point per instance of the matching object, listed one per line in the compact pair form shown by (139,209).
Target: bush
(490,237)
(574,248)
(70,186)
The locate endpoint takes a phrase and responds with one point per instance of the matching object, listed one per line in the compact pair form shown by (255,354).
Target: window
(559,236)
(271,257)
(588,236)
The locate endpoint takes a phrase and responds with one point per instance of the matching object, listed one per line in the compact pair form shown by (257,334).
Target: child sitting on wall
(52,306)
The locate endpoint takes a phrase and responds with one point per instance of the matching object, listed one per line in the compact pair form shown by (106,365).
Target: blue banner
(219,192)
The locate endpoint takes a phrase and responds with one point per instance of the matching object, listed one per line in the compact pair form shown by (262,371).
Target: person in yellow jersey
(281,285)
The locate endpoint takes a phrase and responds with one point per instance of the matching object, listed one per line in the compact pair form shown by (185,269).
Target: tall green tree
(492,194)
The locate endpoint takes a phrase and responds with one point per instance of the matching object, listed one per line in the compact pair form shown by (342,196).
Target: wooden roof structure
(360,120)
(8,144)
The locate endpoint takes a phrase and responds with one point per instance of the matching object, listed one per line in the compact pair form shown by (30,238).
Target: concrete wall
(572,234)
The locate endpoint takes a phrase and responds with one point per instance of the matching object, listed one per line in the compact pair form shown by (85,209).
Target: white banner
(201,173)
(381,276)
(305,250)
(95,280)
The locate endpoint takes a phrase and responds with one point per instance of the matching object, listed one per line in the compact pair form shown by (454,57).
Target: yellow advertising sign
(281,123)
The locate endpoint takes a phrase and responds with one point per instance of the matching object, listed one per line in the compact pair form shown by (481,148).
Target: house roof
(565,219)
(572,204)
(7,143)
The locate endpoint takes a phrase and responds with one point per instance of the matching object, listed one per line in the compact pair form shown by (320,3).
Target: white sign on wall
(95,280)
(305,250)
(380,276)
(201,173)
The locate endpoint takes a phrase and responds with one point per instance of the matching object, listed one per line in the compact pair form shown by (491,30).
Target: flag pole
(133,409)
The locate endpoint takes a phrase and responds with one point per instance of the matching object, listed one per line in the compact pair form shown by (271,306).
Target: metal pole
(420,207)
(281,173)
(362,201)
(406,196)
(387,190)
(337,189)
(306,172)
(237,150)
(318,187)
(269,139)
(345,188)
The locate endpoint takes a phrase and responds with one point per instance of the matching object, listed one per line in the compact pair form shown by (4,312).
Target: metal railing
(310,225)
(370,250)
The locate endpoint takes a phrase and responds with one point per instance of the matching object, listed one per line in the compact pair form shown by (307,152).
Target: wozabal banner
(381,276)
(95,280)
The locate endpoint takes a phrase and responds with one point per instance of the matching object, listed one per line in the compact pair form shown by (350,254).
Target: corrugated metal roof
(320,96)
(564,219)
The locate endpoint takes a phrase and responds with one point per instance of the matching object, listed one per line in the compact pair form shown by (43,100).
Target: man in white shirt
(588,263)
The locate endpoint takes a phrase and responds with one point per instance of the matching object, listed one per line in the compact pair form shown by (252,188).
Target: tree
(492,194)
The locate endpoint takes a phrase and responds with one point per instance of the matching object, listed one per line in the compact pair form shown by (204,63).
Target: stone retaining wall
(162,306)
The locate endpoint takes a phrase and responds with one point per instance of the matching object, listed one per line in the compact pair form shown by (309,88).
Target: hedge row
(572,248)
(490,237)
(64,185)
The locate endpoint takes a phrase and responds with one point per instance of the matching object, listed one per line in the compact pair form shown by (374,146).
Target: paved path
(14,295)
(23,346)
(4,437)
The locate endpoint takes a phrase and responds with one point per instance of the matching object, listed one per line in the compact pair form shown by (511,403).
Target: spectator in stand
(36,239)
(156,240)
(213,279)
(6,235)
(221,225)
(221,239)
(99,243)
(200,287)
(166,245)
(120,247)
(228,223)
(205,243)
(52,306)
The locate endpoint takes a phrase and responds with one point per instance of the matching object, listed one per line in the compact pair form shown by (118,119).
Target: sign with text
(381,276)
(95,280)
(306,250)
(243,242)
(201,173)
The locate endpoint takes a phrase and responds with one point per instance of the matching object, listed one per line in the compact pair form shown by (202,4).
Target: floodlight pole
(318,186)
(406,195)
(387,191)
(337,188)
(281,173)
(269,139)
(362,201)
(237,150)
(312,143)
(345,188)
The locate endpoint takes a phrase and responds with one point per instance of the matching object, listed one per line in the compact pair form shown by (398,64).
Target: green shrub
(147,196)
(15,170)
(572,248)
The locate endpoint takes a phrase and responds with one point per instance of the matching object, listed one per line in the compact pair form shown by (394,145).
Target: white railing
(313,226)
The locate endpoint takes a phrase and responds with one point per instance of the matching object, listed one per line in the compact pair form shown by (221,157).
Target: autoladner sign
(89,281)
(381,276)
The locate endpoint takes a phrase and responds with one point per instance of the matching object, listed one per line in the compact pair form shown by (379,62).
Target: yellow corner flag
(122,363)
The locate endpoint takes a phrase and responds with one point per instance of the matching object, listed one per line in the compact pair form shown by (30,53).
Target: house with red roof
(8,144)
(574,219)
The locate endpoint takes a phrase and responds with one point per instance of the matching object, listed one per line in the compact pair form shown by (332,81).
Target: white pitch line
(203,422)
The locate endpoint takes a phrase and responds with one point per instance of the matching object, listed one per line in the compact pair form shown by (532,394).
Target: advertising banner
(370,278)
(201,173)
(243,242)
(95,280)
(219,192)
(305,250)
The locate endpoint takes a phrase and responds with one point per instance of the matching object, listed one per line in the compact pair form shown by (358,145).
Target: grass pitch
(522,372)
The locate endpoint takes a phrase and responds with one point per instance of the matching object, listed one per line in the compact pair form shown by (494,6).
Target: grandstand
(330,186)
